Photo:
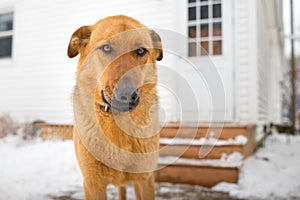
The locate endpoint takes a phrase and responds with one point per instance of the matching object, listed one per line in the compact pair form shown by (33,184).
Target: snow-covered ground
(35,169)
(48,170)
(272,173)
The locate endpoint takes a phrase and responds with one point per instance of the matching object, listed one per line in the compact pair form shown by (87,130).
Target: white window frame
(8,33)
(7,6)
(224,63)
(210,21)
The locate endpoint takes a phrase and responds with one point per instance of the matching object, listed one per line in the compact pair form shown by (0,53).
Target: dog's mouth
(121,105)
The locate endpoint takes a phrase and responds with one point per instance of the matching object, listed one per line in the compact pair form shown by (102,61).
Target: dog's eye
(141,51)
(106,48)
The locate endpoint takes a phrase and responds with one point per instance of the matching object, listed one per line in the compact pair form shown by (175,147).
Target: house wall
(246,61)
(210,77)
(259,61)
(270,59)
(264,76)
(37,82)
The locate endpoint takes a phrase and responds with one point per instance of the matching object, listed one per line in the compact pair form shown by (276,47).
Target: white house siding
(258,61)
(198,104)
(264,67)
(270,60)
(245,61)
(37,83)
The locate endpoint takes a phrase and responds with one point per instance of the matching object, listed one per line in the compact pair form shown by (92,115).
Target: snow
(47,170)
(238,140)
(38,169)
(31,170)
(272,173)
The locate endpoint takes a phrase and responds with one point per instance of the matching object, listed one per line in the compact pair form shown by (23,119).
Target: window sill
(213,60)
(219,56)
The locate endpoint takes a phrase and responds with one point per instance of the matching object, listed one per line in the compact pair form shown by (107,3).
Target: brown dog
(115,106)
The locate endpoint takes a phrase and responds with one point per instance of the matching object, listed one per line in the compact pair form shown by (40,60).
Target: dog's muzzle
(124,99)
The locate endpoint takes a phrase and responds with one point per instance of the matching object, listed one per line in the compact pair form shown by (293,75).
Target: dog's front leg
(122,192)
(94,191)
(145,189)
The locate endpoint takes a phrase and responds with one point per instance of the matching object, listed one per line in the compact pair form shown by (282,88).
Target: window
(6,35)
(204,27)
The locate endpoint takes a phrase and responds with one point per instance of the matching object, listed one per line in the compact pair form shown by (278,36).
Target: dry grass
(28,131)
(8,126)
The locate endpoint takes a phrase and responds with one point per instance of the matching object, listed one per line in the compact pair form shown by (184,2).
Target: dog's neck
(92,125)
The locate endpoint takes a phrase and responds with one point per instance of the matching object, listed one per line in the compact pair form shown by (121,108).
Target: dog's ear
(157,44)
(79,40)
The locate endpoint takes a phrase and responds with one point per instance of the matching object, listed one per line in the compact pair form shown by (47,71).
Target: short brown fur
(84,41)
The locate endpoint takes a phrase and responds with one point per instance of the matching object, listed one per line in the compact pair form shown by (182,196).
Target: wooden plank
(194,132)
(197,175)
(64,132)
(207,152)
(169,132)
(50,131)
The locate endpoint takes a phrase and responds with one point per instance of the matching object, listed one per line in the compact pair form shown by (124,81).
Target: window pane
(217,11)
(192,49)
(5,46)
(204,48)
(192,13)
(217,29)
(217,47)
(6,22)
(204,30)
(192,32)
(192,1)
(204,12)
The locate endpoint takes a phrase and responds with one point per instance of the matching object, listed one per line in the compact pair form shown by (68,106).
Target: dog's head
(125,52)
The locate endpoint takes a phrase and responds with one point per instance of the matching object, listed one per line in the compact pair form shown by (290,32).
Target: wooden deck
(197,175)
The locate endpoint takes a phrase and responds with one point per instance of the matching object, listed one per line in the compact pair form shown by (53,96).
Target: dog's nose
(127,94)
(125,99)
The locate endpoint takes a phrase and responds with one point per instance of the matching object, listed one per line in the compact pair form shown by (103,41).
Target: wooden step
(50,131)
(186,142)
(64,131)
(200,162)
(225,131)
(204,150)
(200,152)
(198,172)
